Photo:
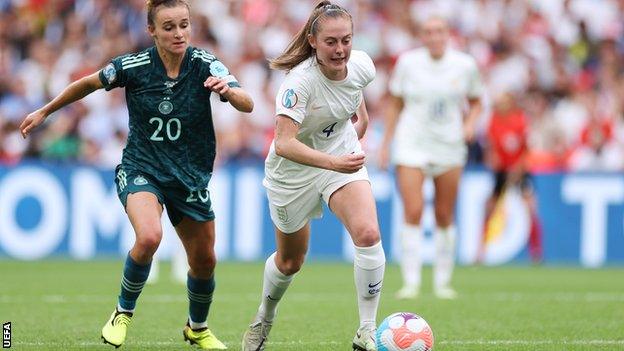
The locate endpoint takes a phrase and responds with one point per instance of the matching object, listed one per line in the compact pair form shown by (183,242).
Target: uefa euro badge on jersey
(289,99)
(217,69)
(110,73)
(165,107)
(140,180)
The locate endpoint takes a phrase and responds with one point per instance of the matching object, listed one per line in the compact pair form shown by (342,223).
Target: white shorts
(292,209)
(433,159)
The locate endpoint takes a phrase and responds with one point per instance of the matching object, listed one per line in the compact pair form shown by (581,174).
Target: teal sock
(200,297)
(132,282)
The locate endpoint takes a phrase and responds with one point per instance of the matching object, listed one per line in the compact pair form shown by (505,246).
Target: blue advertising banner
(73,211)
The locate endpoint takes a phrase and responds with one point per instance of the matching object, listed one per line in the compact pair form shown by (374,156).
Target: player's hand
(384,156)
(348,163)
(217,85)
(31,121)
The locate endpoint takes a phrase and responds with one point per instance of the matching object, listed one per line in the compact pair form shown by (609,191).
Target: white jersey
(434,94)
(323,108)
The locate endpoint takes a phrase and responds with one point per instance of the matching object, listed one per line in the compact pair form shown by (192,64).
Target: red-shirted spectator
(597,149)
(506,155)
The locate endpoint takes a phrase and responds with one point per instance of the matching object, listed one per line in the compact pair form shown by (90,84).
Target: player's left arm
(361,120)
(237,97)
(475,107)
(366,68)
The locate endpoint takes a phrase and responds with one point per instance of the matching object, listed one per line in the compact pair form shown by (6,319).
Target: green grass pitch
(61,305)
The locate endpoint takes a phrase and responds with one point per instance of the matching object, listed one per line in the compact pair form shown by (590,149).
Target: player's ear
(151,31)
(312,41)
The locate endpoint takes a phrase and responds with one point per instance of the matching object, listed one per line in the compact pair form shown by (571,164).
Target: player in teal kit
(168,158)
(172,139)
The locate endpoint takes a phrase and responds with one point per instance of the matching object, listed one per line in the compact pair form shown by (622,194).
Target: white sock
(154,272)
(369,265)
(445,256)
(179,264)
(121,309)
(411,258)
(273,288)
(195,325)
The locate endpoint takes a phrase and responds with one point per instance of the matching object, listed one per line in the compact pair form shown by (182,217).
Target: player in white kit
(316,156)
(426,132)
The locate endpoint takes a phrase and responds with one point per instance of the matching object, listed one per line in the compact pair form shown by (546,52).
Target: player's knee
(444,218)
(149,240)
(366,235)
(203,265)
(291,265)
(413,215)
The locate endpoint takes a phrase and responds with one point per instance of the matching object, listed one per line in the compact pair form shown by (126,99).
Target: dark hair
(299,48)
(153,4)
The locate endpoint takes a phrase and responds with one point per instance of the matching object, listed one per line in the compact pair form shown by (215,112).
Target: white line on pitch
(300,342)
(531,342)
(321,297)
(165,343)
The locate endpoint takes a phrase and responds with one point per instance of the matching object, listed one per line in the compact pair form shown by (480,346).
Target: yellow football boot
(114,331)
(203,338)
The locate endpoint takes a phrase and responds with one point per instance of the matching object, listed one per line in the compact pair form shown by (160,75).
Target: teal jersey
(171,135)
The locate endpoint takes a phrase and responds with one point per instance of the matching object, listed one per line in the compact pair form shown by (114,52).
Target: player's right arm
(73,92)
(291,102)
(287,146)
(395,105)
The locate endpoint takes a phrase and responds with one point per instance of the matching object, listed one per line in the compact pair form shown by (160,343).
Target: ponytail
(299,48)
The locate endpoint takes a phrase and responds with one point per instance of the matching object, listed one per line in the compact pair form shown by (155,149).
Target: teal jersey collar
(160,66)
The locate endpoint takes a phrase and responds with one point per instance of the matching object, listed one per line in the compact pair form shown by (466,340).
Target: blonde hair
(153,4)
(299,48)
(433,18)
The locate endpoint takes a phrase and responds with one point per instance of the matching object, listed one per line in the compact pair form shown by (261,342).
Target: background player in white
(429,89)
(316,156)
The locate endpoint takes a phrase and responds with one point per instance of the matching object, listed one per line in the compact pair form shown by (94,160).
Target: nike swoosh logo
(374,285)
(317,107)
(270,298)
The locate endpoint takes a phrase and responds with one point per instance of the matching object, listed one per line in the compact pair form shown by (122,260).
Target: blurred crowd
(562,61)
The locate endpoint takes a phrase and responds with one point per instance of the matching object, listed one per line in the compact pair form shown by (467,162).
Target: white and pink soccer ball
(404,331)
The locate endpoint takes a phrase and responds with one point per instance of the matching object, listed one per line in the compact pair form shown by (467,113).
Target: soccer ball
(404,331)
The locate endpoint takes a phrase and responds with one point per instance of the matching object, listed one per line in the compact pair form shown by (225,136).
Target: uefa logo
(6,335)
(289,99)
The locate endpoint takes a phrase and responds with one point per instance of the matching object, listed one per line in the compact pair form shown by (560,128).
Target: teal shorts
(179,202)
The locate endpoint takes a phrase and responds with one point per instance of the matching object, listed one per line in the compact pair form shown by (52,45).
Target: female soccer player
(168,158)
(316,156)
(429,88)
